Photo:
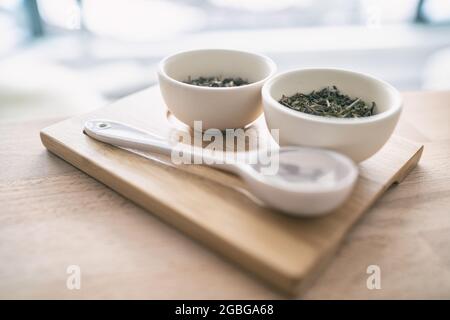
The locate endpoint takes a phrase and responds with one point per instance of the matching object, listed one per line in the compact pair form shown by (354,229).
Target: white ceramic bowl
(221,108)
(358,138)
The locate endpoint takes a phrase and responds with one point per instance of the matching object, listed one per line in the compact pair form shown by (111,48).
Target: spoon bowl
(308,182)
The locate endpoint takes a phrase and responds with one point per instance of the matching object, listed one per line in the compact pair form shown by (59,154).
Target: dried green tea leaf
(216,82)
(329,102)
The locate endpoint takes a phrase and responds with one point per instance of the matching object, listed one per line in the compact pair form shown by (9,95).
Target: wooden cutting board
(214,207)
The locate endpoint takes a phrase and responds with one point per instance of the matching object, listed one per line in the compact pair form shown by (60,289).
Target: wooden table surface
(52,216)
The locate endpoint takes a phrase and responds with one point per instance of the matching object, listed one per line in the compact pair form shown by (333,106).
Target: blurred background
(63,57)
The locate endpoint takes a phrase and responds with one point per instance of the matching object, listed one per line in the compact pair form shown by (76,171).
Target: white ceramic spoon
(308,182)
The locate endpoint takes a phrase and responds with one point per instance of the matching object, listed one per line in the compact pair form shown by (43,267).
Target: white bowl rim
(266,59)
(396,107)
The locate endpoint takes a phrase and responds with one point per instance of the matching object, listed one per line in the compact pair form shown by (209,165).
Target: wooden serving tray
(213,206)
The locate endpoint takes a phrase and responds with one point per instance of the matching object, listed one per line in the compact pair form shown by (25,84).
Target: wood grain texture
(211,207)
(52,215)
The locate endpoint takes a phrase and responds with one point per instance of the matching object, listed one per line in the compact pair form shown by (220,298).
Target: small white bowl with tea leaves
(349,112)
(221,88)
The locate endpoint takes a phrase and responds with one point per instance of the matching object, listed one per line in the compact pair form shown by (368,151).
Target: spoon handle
(123,135)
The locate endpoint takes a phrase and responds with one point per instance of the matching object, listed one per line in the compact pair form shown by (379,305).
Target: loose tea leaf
(216,82)
(329,102)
